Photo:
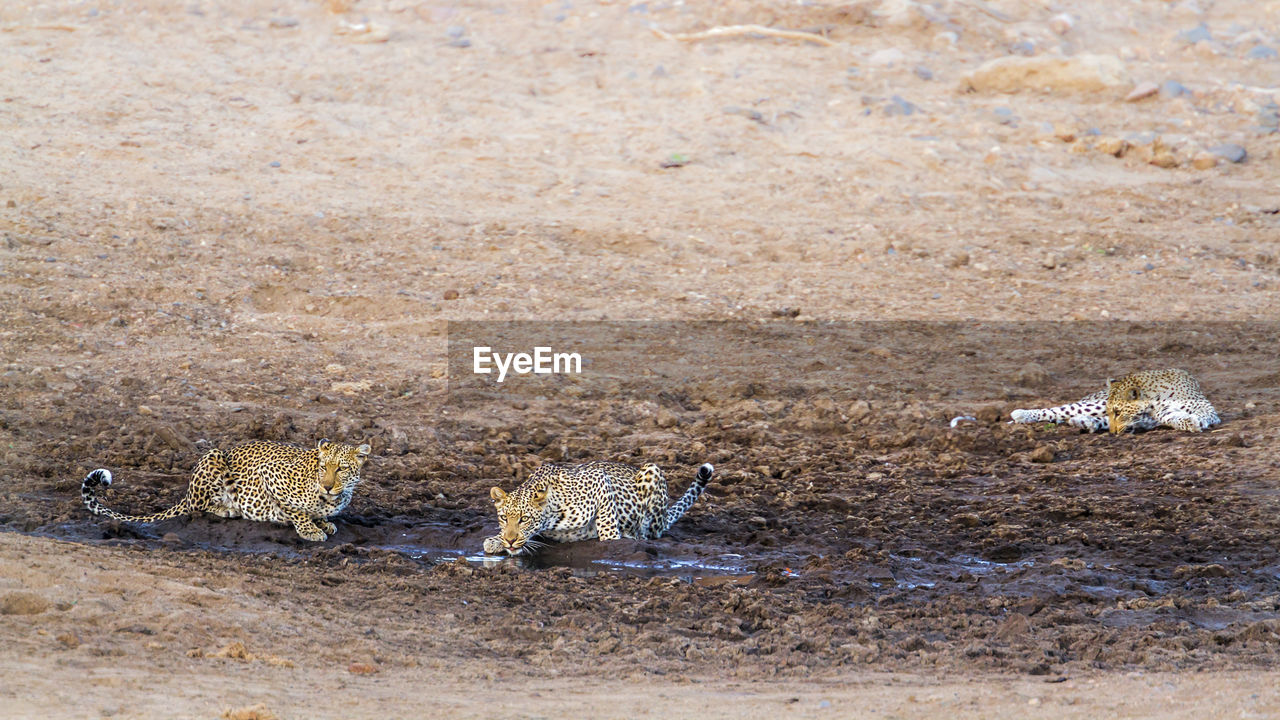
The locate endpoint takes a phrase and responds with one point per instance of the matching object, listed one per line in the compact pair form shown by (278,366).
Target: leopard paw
(493,545)
(329,527)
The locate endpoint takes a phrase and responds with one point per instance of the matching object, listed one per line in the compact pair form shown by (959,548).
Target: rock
(1199,33)
(450,294)
(1062,23)
(69,640)
(968,520)
(886,57)
(1015,627)
(1111,145)
(251,712)
(1032,375)
(1204,160)
(22,603)
(357,668)
(1142,92)
(1173,89)
(1261,52)
(1164,158)
(1081,73)
(283,22)
(859,410)
(898,106)
(959,258)
(1050,261)
(1230,152)
(1200,571)
(1025,48)
(989,414)
(665,418)
(1042,454)
(923,72)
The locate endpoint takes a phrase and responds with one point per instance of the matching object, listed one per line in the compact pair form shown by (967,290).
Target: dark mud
(831,536)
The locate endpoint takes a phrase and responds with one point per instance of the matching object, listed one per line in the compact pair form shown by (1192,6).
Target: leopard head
(522,514)
(338,471)
(1130,404)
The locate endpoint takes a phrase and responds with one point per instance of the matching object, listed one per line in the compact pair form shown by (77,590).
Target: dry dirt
(237,220)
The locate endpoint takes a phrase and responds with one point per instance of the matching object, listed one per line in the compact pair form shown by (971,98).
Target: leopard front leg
(328,527)
(493,545)
(305,525)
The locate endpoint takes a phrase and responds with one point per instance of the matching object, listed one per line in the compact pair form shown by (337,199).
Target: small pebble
(1230,152)
(898,106)
(1173,89)
(1023,47)
(455,31)
(1199,33)
(275,163)
(450,294)
(1062,23)
(1142,92)
(460,43)
(923,72)
(283,22)
(1261,52)
(886,57)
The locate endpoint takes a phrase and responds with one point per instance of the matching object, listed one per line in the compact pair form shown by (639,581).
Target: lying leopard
(608,500)
(260,481)
(1138,401)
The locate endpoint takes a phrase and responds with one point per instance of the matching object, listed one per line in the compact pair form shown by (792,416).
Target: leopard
(260,480)
(599,499)
(1141,400)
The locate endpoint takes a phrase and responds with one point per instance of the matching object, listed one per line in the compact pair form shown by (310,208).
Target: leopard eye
(1133,393)
(524,519)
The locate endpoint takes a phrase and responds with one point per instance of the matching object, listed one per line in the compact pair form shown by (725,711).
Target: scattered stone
(1200,571)
(859,410)
(968,520)
(1204,160)
(886,57)
(959,258)
(923,72)
(357,668)
(1173,89)
(145,410)
(23,603)
(897,106)
(252,712)
(1261,52)
(1163,157)
(1199,33)
(1042,454)
(69,640)
(1080,73)
(989,414)
(450,294)
(665,418)
(283,22)
(1230,152)
(1015,627)
(1005,116)
(460,43)
(1062,23)
(1142,92)
(1025,48)
(1065,133)
(234,651)
(1111,145)
(455,31)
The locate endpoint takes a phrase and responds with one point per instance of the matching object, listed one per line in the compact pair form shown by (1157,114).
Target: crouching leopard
(1138,401)
(260,481)
(608,500)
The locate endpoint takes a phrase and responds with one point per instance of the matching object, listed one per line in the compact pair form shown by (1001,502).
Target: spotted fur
(1138,401)
(260,480)
(608,500)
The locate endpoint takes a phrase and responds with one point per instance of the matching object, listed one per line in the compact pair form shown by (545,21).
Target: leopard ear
(540,496)
(321,443)
(1110,382)
(364,450)
(497,494)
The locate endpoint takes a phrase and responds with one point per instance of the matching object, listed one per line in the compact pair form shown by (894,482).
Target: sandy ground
(239,220)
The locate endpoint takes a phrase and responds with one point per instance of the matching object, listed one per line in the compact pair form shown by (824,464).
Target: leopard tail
(678,509)
(102,478)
